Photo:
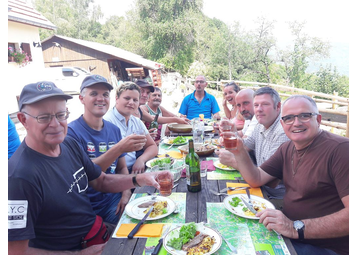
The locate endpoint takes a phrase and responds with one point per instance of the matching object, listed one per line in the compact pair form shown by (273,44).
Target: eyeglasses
(202,82)
(303,117)
(46,118)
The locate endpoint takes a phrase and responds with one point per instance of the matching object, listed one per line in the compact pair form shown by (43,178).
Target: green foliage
(177,34)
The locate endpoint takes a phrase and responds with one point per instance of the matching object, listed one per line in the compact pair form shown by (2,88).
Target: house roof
(114,51)
(23,12)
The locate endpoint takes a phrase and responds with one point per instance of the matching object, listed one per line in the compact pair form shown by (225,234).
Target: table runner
(247,235)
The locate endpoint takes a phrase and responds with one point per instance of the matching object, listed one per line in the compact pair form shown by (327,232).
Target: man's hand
(148,179)
(183,120)
(153,133)
(123,202)
(138,167)
(226,158)
(133,143)
(276,220)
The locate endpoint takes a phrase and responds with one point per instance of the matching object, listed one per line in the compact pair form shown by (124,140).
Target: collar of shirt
(271,130)
(192,96)
(122,122)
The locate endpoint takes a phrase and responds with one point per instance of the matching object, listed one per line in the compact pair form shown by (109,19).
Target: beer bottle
(192,162)
(154,123)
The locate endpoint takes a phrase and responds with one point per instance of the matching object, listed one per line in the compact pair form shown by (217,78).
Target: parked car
(69,79)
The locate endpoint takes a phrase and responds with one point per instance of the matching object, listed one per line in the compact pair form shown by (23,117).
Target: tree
(305,48)
(329,81)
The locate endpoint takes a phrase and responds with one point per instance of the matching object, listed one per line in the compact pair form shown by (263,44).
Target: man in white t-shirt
(245,104)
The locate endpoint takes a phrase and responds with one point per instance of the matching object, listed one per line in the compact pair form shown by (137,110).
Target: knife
(250,207)
(248,195)
(237,188)
(160,242)
(135,230)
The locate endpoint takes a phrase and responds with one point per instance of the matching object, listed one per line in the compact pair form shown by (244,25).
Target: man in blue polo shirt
(199,102)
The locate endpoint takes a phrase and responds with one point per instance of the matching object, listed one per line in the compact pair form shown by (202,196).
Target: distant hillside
(339,57)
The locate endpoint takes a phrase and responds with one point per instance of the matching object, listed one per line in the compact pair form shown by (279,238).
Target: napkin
(210,163)
(173,154)
(146,230)
(253,191)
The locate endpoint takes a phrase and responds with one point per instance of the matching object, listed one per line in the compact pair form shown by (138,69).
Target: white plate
(166,141)
(216,164)
(238,210)
(149,162)
(132,209)
(199,227)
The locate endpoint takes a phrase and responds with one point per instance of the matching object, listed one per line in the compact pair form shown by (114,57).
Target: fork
(218,194)
(232,248)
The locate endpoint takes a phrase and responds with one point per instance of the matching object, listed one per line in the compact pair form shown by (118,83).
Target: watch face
(298,224)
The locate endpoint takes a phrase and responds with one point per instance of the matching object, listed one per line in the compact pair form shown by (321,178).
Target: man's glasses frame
(201,82)
(303,117)
(47,118)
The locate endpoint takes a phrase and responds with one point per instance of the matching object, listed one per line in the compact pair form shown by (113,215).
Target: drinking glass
(166,184)
(203,170)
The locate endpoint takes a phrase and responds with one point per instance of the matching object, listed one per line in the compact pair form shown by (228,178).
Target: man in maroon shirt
(314,167)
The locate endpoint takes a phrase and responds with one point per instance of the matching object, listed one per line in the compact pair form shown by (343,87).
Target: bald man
(245,104)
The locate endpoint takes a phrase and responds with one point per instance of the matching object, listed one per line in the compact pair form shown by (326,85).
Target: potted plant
(21,57)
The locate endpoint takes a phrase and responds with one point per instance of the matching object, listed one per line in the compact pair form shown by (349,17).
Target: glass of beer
(166,184)
(229,134)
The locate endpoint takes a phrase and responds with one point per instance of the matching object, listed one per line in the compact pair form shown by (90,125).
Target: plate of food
(234,204)
(160,162)
(192,238)
(217,164)
(179,140)
(137,208)
(203,150)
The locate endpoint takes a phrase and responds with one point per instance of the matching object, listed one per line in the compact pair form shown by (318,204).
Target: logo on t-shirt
(111,144)
(102,147)
(17,213)
(90,147)
(81,181)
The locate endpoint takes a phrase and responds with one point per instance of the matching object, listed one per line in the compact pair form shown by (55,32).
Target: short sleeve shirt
(134,125)
(191,107)
(95,143)
(47,199)
(320,182)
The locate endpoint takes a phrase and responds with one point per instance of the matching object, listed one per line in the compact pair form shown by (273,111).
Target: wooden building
(112,63)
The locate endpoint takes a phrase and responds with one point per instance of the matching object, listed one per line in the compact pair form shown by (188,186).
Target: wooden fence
(318,97)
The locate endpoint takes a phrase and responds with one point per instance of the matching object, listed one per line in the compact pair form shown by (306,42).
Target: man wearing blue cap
(103,143)
(48,177)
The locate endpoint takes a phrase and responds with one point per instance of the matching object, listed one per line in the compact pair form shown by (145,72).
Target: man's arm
(329,226)
(22,247)
(128,144)
(126,194)
(240,160)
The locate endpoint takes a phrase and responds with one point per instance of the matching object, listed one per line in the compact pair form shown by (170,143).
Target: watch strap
(301,235)
(134,180)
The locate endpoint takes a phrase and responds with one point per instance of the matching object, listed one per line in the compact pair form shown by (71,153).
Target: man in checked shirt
(268,134)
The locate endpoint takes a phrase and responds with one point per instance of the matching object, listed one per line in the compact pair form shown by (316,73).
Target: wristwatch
(134,180)
(299,226)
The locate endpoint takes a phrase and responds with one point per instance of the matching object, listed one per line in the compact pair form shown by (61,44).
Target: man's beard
(247,117)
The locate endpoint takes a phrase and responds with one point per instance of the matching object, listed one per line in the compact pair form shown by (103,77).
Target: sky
(328,20)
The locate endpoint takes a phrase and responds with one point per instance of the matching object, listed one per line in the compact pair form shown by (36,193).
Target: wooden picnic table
(196,211)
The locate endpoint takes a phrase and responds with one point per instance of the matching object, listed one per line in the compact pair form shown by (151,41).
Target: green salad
(235,202)
(179,140)
(160,162)
(186,233)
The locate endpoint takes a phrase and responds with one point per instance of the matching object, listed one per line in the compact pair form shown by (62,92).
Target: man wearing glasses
(199,102)
(314,166)
(48,176)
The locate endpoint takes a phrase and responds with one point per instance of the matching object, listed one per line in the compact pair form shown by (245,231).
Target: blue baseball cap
(35,92)
(95,79)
